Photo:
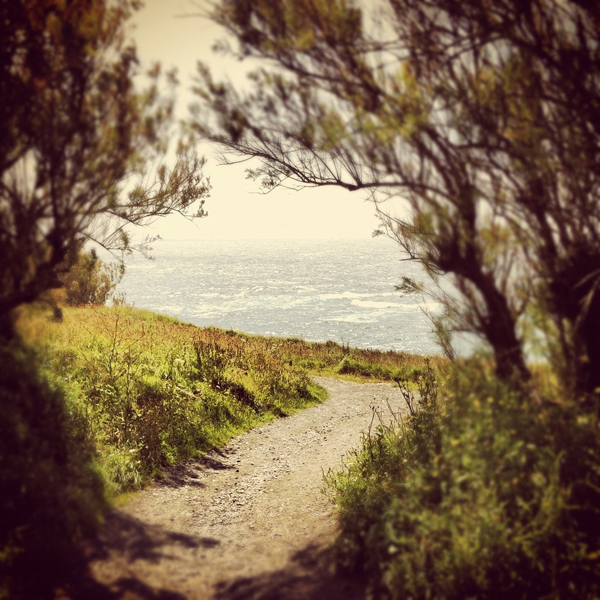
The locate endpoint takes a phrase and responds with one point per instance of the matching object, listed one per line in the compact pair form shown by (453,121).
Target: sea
(317,290)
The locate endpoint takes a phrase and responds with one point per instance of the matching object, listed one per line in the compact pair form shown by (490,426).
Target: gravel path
(248,522)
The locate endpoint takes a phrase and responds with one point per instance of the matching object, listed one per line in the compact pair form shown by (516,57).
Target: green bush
(364,368)
(483,496)
(91,280)
(51,493)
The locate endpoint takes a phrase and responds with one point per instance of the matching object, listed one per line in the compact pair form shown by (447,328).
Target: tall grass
(333,359)
(154,391)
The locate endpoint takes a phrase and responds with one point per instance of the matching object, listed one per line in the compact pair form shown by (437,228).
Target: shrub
(482,496)
(90,280)
(363,369)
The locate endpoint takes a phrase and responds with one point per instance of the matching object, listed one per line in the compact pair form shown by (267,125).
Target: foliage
(477,496)
(474,127)
(81,154)
(51,491)
(155,391)
(90,280)
(81,149)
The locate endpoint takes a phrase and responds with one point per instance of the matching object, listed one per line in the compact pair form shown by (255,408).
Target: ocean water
(318,290)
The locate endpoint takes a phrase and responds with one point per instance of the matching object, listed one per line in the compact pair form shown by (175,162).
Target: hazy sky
(236,209)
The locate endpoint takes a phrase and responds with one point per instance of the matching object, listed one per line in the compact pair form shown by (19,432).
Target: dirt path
(249,522)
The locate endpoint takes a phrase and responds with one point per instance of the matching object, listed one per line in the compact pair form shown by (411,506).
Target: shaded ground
(249,522)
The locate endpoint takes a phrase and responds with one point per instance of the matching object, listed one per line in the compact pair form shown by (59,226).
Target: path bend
(250,522)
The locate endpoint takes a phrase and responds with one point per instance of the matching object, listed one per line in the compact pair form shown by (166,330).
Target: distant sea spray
(318,290)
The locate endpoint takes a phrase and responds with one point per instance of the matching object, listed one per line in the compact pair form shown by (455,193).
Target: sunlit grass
(155,391)
(331,359)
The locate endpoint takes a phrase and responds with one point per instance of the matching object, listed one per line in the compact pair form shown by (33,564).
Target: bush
(51,493)
(90,280)
(483,496)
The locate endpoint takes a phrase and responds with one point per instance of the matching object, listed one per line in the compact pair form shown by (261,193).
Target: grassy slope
(155,391)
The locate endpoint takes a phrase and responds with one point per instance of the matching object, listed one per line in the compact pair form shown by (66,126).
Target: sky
(173,33)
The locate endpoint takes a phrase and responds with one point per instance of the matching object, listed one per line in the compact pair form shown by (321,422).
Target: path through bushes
(249,522)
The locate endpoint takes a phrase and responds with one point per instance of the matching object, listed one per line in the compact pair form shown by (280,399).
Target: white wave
(355,319)
(171,309)
(345,296)
(432,306)
(375,304)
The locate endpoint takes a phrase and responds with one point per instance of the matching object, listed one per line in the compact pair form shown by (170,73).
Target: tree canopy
(473,125)
(81,149)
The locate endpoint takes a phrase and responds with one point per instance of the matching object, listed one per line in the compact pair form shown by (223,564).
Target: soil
(251,521)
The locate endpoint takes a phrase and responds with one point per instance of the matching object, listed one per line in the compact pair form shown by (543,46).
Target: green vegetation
(475,495)
(52,492)
(155,391)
